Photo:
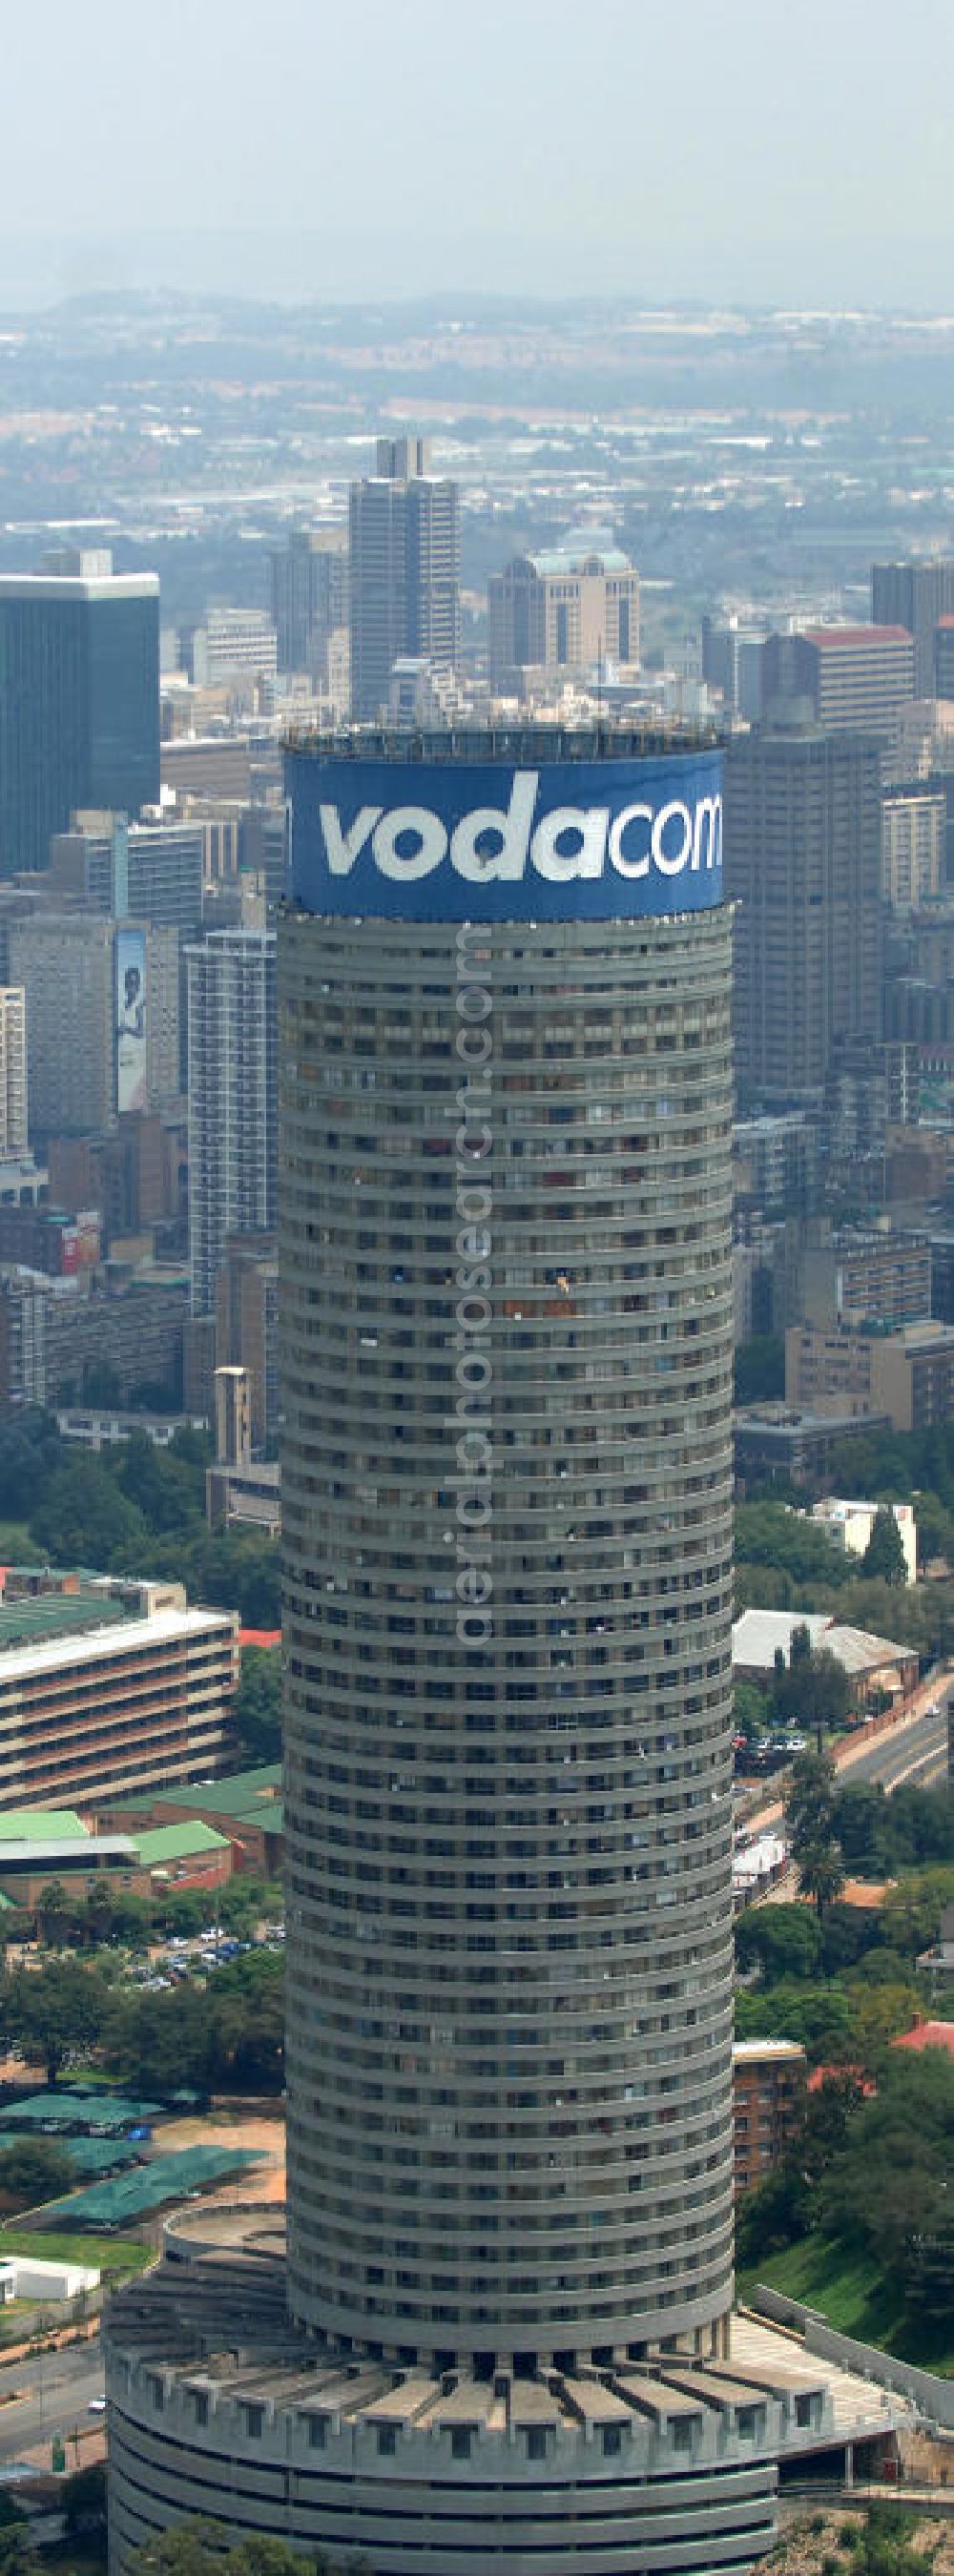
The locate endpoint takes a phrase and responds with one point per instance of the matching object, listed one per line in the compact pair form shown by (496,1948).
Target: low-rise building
(907,1375)
(877,1669)
(768,2088)
(106,1686)
(246,1810)
(793,1442)
(850,1524)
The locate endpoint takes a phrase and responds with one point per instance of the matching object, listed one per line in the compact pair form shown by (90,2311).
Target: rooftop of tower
(521,744)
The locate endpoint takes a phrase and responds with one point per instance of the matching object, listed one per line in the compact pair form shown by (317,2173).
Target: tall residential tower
(500,2334)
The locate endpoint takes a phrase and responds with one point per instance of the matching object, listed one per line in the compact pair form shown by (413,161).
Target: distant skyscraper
(848,678)
(230,643)
(79,703)
(309,596)
(915,826)
(803,837)
(13,1072)
(916,596)
(942,685)
(567,610)
(404,571)
(232,1102)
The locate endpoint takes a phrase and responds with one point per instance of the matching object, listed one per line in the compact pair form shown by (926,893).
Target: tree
(821,1875)
(53,1914)
(884,1558)
(814,1693)
(199,2548)
(18,2552)
(911,1913)
(778,1940)
(83,2498)
(809,1803)
(84,1518)
(34,2170)
(759,1369)
(257,1706)
(56,2013)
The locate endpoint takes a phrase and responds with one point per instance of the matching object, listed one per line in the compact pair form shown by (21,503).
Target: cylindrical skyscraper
(507,1331)
(499,2336)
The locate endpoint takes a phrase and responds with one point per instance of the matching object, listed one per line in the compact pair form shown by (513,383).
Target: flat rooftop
(532,745)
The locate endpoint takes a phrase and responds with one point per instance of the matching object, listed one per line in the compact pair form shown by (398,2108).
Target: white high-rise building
(232,1102)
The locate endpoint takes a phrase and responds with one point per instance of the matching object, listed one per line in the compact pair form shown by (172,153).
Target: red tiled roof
(928,2034)
(839,2075)
(260,1636)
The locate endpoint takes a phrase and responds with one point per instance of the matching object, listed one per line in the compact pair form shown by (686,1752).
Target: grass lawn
(113,2254)
(848,2290)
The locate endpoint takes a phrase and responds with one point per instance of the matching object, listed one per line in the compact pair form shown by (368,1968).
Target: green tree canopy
(56,2013)
(199,2548)
(36,2169)
(884,1557)
(83,1517)
(257,1706)
(759,1369)
(778,1940)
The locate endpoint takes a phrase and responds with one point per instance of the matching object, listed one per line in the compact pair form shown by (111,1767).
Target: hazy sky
(798,149)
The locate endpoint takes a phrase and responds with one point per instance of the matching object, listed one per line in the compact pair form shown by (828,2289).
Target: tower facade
(506,1504)
(79,704)
(404,572)
(803,842)
(916,596)
(233,1137)
(495,2330)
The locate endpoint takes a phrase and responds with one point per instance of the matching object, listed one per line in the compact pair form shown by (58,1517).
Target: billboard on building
(595,835)
(131,1085)
(81,1243)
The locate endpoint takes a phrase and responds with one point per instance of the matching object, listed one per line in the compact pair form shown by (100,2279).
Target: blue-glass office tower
(79,704)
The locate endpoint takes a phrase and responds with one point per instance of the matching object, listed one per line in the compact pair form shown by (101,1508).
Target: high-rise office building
(309,596)
(151,871)
(574,608)
(232,1099)
(502,2331)
(13,1072)
(102,1018)
(79,703)
(847,678)
(803,851)
(404,571)
(915,596)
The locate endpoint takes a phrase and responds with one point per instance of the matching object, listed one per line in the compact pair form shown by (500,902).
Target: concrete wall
(933,2396)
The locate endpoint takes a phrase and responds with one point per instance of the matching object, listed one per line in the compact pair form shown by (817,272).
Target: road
(919,1755)
(60,2386)
(914,1749)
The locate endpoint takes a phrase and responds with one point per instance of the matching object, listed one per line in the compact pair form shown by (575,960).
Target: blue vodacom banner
(600,839)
